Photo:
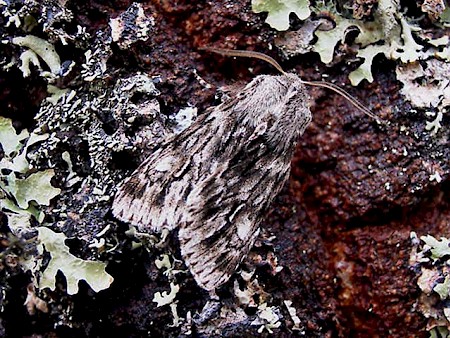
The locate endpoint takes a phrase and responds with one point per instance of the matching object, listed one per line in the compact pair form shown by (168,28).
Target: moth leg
(210,310)
(151,239)
(162,243)
(145,237)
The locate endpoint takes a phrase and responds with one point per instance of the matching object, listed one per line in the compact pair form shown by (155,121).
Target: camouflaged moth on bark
(215,181)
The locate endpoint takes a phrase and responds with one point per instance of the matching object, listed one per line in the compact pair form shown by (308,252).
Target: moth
(215,181)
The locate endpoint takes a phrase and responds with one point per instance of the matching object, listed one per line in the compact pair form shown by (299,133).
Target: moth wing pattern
(226,212)
(216,179)
(150,197)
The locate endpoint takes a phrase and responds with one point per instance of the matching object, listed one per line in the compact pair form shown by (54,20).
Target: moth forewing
(216,179)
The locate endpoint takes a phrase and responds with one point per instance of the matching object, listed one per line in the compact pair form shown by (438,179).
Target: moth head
(323,84)
(274,102)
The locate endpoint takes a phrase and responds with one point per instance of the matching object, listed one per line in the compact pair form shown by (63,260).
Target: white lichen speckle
(268,318)
(293,313)
(184,118)
(434,125)
(131,26)
(163,263)
(436,177)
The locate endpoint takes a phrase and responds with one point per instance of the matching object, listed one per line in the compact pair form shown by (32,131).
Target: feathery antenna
(270,60)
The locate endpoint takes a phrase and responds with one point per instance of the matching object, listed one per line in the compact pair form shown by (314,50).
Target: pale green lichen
(438,249)
(278,11)
(390,27)
(407,50)
(176,318)
(420,93)
(11,14)
(45,50)
(35,187)
(391,33)
(364,71)
(326,41)
(427,87)
(20,163)
(442,289)
(166,298)
(442,41)
(73,268)
(163,263)
(56,94)
(18,190)
(9,139)
(28,58)
(401,40)
(394,35)
(431,259)
(19,218)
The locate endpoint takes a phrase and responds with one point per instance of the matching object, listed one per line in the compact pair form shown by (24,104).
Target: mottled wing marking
(150,198)
(216,179)
(226,214)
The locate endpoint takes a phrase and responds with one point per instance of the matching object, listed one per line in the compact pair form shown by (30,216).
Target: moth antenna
(347,96)
(246,54)
(323,84)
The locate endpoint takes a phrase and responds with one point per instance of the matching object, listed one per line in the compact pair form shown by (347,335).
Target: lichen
(392,34)
(438,249)
(35,187)
(431,259)
(86,123)
(293,313)
(45,50)
(131,26)
(278,11)
(73,268)
(427,87)
(18,184)
(9,139)
(268,318)
(85,113)
(435,125)
(166,298)
(364,71)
